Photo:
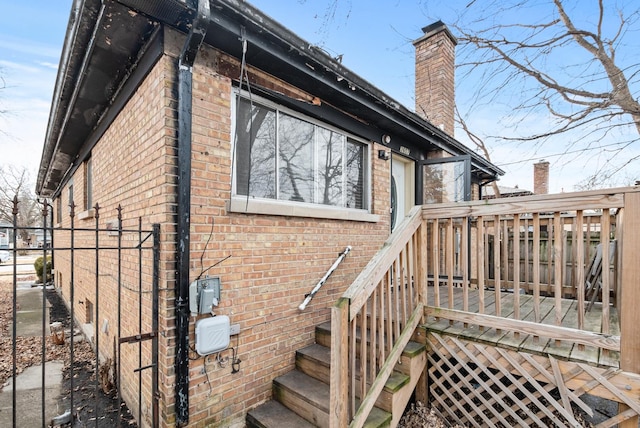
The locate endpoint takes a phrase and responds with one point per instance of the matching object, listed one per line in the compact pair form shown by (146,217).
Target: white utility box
(212,334)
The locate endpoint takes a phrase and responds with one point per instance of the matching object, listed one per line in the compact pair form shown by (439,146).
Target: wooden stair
(301,397)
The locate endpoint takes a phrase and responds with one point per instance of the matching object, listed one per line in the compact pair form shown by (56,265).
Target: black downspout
(192,44)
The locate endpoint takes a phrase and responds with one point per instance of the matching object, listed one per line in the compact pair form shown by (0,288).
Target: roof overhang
(89,78)
(104,41)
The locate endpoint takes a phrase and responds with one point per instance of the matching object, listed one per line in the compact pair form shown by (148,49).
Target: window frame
(59,209)
(88,184)
(70,195)
(275,206)
(465,178)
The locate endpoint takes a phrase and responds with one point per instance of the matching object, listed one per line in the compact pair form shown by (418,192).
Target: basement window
(283,157)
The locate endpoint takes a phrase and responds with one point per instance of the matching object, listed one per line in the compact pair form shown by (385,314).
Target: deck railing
(448,260)
(542,245)
(374,320)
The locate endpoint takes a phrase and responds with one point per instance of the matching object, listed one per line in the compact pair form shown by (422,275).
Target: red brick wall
(275,260)
(134,167)
(541,178)
(435,80)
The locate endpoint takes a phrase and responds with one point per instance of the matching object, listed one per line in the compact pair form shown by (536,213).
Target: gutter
(69,64)
(302,55)
(190,49)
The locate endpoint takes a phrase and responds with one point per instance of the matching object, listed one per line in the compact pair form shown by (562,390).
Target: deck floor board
(528,343)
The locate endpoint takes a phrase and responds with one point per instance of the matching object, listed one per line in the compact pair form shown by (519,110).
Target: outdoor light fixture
(386,139)
(382,154)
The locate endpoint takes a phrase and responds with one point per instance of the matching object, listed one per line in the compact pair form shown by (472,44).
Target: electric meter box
(212,334)
(204,294)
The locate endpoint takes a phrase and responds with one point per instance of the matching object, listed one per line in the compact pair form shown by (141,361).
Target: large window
(284,156)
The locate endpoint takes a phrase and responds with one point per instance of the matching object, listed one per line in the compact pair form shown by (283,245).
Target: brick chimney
(541,178)
(435,69)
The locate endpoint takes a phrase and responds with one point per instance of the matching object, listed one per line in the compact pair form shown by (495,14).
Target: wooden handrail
(591,200)
(365,282)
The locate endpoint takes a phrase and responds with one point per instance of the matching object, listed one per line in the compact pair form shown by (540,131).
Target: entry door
(402,188)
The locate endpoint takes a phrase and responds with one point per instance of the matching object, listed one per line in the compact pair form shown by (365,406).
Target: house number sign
(405,151)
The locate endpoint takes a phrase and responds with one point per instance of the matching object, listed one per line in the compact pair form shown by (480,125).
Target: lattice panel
(480,385)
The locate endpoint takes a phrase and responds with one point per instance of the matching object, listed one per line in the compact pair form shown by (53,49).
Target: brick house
(242,141)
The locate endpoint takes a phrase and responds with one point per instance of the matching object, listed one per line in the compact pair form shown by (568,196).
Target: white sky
(375,43)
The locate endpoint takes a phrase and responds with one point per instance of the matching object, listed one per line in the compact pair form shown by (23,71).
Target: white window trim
(87,214)
(252,205)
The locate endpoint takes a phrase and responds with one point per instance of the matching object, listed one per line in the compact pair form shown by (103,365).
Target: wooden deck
(563,350)
(487,348)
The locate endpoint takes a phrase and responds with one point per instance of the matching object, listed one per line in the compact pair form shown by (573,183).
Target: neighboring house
(240,139)
(5,235)
(505,192)
(37,238)
(540,184)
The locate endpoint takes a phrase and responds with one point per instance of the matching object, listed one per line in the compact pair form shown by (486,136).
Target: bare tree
(578,70)
(15,183)
(328,16)
(3,111)
(479,143)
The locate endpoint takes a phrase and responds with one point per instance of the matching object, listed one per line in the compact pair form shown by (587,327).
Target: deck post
(339,380)
(422,268)
(422,388)
(629,314)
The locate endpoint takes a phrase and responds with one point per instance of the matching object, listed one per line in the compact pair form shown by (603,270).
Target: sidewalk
(29,384)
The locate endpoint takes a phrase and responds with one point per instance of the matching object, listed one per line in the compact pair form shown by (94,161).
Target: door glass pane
(296,159)
(444,182)
(255,151)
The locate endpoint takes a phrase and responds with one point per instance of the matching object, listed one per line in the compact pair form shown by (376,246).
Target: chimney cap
(435,28)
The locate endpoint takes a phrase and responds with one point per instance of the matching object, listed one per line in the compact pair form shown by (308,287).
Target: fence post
(629,314)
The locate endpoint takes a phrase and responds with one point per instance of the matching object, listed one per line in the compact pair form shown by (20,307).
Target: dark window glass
(256,148)
(296,159)
(355,175)
(330,174)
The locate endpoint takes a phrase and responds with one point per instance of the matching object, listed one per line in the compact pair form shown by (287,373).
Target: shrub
(39,267)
